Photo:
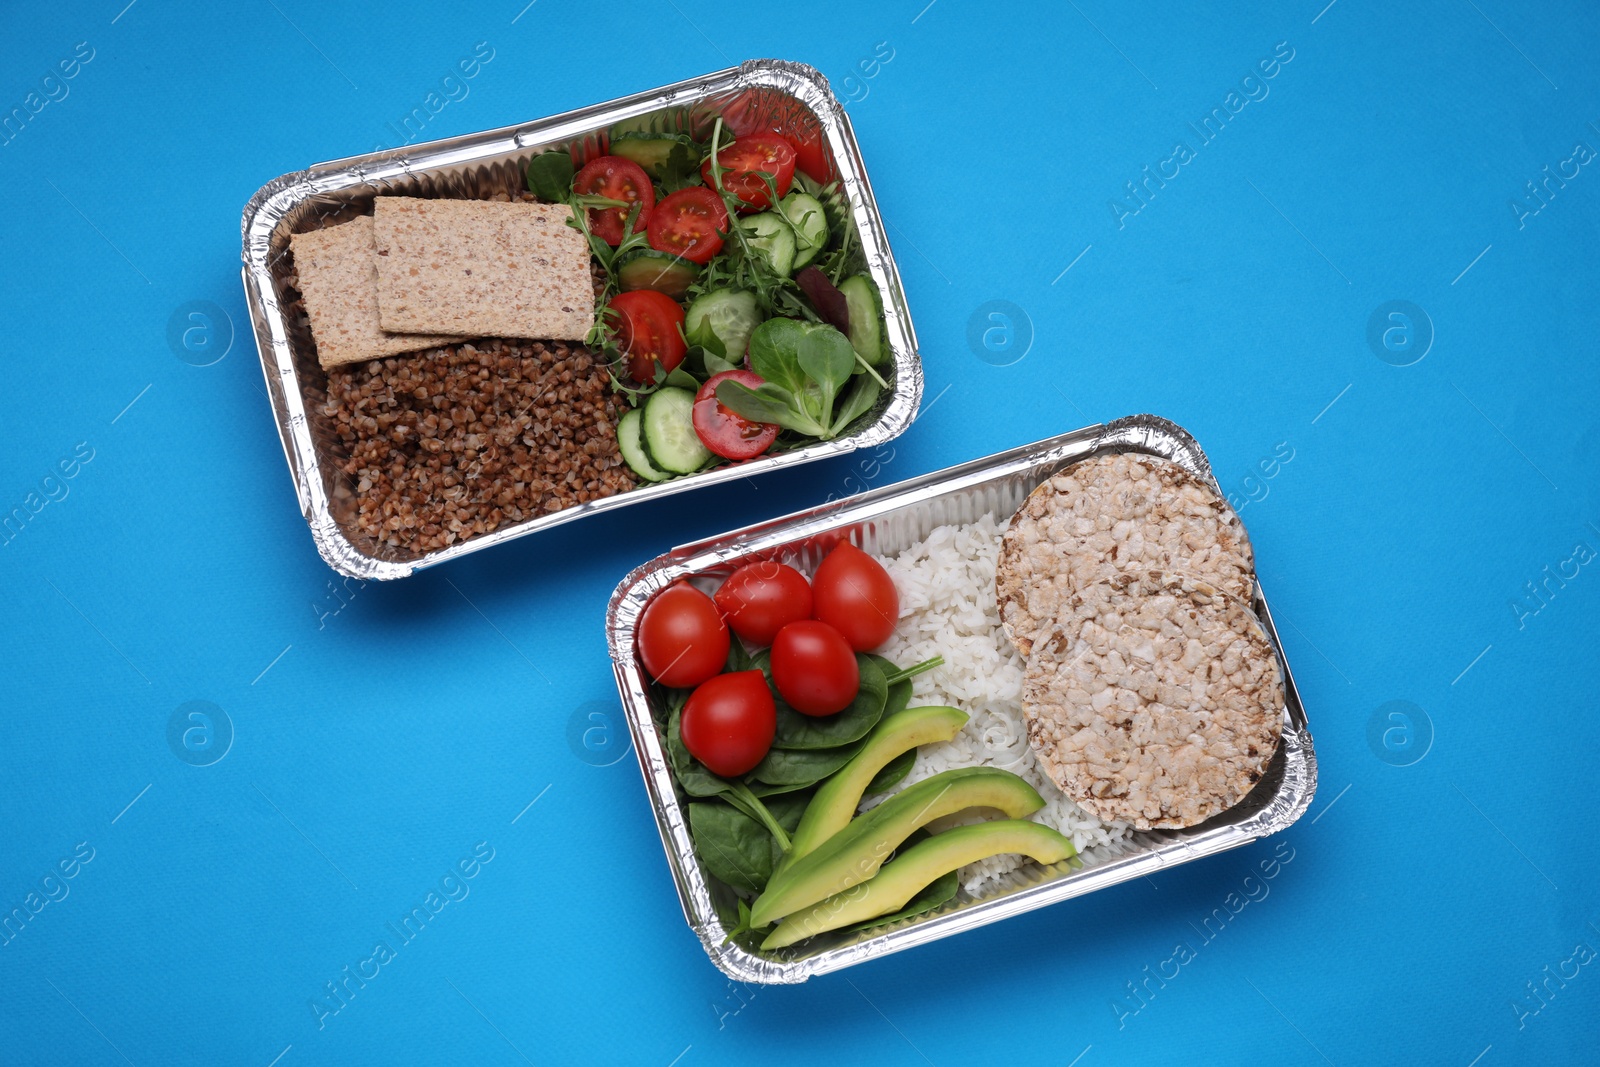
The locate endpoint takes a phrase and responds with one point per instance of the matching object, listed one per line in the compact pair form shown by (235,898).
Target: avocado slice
(835,802)
(855,853)
(917,867)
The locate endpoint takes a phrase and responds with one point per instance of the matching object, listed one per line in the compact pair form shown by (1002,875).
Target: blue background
(379,733)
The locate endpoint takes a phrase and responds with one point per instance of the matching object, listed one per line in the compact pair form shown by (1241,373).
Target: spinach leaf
(940,892)
(763,790)
(796,731)
(893,773)
(550,176)
(732,846)
(768,403)
(784,766)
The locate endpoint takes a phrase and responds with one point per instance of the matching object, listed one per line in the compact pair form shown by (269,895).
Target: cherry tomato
(727,433)
(617,179)
(759,599)
(761,111)
(649,328)
(814,669)
(746,164)
(854,594)
(689,223)
(729,722)
(682,638)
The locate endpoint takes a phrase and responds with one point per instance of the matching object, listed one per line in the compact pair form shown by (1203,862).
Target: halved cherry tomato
(854,594)
(759,599)
(682,638)
(730,435)
(617,179)
(729,722)
(814,669)
(810,153)
(747,163)
(649,328)
(689,223)
(761,111)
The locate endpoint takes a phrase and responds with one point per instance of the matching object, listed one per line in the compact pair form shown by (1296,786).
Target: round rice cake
(1154,700)
(1115,513)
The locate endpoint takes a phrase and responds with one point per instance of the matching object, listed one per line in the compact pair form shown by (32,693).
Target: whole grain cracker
(338,284)
(1112,514)
(482,268)
(1155,700)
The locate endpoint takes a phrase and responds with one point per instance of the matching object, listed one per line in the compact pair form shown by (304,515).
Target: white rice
(947,608)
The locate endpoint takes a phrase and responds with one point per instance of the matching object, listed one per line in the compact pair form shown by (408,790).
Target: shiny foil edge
(1142,854)
(269,208)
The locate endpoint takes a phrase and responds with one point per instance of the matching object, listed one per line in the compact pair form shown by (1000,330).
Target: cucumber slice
(805,213)
(772,240)
(721,322)
(630,442)
(669,437)
(650,150)
(664,272)
(866,317)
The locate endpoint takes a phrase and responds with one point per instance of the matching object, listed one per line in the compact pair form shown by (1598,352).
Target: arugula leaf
(681,169)
(549,176)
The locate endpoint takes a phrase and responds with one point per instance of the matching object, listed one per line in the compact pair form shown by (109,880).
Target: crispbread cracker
(339,287)
(1154,700)
(1112,514)
(482,268)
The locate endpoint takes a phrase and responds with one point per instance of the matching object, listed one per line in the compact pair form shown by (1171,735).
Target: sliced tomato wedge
(746,165)
(616,179)
(649,329)
(689,223)
(810,154)
(730,435)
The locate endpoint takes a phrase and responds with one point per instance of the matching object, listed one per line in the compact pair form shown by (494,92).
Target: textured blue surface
(1436,911)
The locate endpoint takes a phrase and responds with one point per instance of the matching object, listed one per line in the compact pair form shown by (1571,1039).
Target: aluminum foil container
(886,521)
(477,166)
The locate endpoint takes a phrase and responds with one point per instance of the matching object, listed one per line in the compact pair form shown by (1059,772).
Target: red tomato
(814,669)
(759,599)
(729,722)
(682,638)
(617,179)
(746,164)
(810,152)
(855,595)
(762,111)
(649,328)
(689,223)
(728,434)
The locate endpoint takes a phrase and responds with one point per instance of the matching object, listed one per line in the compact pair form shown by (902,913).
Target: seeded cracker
(1154,700)
(1109,515)
(482,268)
(339,287)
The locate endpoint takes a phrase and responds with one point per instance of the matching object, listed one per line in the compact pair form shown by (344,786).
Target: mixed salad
(779,721)
(735,314)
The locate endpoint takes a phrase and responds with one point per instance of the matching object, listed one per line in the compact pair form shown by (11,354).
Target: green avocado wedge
(855,853)
(917,867)
(835,802)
